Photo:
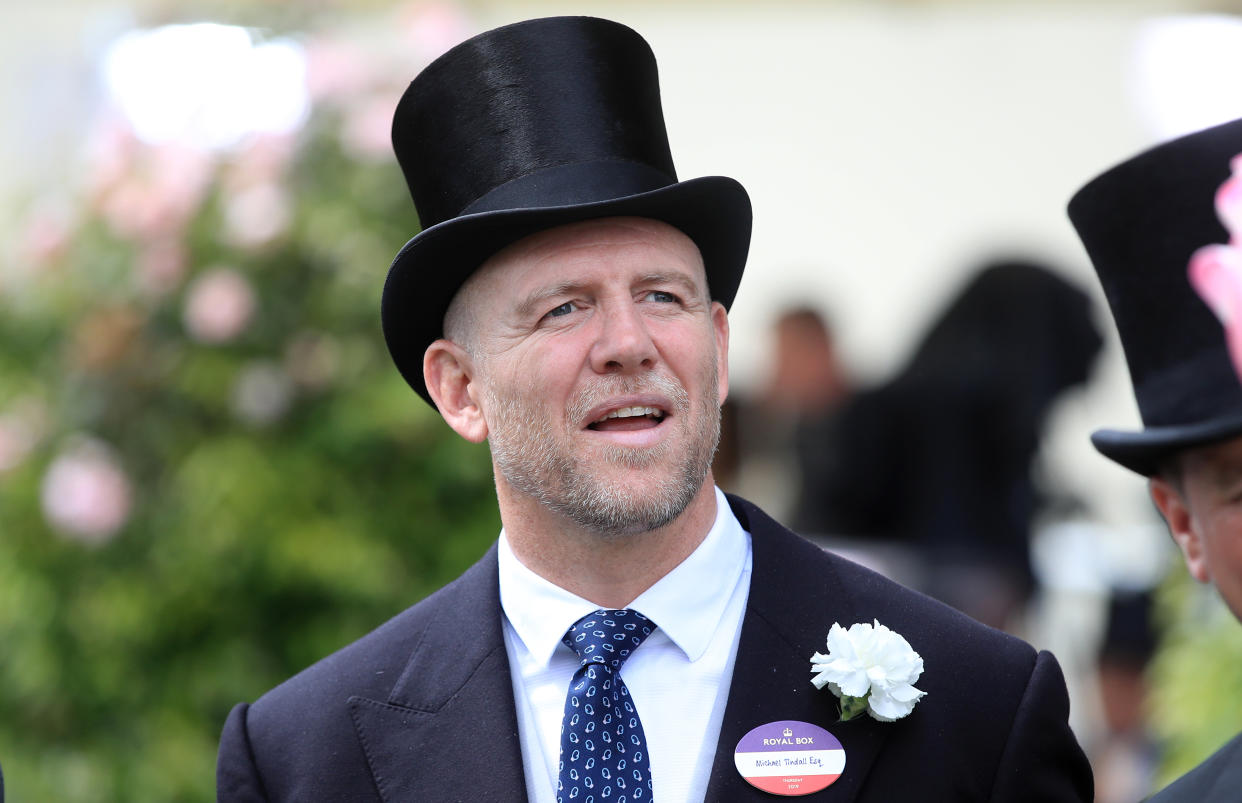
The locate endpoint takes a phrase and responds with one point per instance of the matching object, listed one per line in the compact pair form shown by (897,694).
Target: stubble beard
(537,461)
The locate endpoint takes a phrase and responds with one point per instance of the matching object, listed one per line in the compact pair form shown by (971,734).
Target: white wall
(47,86)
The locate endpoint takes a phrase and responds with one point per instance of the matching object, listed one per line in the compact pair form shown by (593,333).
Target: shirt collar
(686,604)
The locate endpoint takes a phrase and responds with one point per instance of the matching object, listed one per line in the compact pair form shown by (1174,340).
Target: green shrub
(287,492)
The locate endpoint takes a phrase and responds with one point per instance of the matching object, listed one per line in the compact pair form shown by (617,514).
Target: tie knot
(608,636)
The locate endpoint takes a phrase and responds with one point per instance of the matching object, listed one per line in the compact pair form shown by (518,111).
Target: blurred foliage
(283,492)
(1196,677)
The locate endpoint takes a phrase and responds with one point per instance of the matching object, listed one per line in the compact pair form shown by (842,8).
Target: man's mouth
(628,418)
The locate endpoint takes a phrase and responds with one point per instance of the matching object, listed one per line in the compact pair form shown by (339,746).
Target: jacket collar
(772,675)
(450,720)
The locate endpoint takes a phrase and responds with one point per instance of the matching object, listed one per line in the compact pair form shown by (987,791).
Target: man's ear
(720,329)
(448,371)
(1182,526)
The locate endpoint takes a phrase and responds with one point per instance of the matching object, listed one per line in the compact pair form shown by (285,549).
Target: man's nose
(624,343)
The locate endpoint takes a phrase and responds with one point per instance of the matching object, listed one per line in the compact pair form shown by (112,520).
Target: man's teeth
(630,412)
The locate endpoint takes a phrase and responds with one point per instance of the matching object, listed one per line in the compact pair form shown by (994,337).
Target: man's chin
(619,503)
(637,462)
(619,522)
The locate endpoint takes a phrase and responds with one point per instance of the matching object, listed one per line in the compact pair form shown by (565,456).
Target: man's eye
(563,309)
(662,297)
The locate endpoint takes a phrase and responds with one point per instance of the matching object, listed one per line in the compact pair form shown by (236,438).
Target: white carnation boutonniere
(870,668)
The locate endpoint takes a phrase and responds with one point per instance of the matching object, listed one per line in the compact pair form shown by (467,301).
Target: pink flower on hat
(1216,270)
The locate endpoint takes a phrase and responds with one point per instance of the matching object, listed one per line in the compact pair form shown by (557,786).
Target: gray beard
(534,462)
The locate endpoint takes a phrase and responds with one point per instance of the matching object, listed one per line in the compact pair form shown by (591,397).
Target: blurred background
(211,475)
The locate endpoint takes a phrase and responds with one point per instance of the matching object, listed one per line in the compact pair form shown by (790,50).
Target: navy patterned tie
(603,749)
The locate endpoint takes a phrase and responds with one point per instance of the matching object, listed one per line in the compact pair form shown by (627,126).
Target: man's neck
(611,570)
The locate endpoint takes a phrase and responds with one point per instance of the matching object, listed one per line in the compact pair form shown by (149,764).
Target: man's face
(599,366)
(1204,513)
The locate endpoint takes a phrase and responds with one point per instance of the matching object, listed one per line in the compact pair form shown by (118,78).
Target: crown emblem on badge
(787,733)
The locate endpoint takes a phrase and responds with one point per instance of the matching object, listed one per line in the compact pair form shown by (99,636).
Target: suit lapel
(449,722)
(794,598)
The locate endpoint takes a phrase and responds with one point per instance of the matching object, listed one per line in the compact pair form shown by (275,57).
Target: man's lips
(650,417)
(627,416)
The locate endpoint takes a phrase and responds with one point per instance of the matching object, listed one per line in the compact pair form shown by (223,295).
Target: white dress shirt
(678,678)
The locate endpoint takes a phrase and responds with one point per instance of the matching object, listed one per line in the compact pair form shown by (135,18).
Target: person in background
(940,457)
(634,634)
(1143,223)
(774,441)
(1125,758)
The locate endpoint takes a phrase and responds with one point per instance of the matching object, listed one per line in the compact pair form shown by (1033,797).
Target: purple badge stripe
(802,736)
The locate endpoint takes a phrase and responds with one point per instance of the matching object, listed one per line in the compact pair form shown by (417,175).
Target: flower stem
(852,707)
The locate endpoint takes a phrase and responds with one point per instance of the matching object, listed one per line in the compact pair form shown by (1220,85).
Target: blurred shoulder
(1219,778)
(812,579)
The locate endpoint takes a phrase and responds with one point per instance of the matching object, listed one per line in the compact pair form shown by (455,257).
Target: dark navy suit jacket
(422,708)
(1216,780)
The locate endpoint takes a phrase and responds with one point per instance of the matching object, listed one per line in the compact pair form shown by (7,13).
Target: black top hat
(1140,222)
(531,126)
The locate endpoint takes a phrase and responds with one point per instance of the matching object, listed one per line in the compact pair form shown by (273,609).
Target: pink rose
(367,132)
(160,266)
(85,494)
(218,307)
(335,69)
(434,27)
(256,215)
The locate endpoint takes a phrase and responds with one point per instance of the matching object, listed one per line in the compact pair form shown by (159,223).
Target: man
(566,301)
(1140,222)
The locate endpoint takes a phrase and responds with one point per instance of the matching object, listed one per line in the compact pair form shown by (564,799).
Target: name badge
(789,758)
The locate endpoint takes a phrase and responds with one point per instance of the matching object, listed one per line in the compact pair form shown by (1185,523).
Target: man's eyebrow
(660,277)
(535,301)
(690,289)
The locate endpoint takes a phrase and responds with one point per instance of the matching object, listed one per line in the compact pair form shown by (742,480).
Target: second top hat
(531,126)
(1140,222)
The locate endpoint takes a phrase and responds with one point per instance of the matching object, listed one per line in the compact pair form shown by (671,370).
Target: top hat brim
(713,211)
(1147,452)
